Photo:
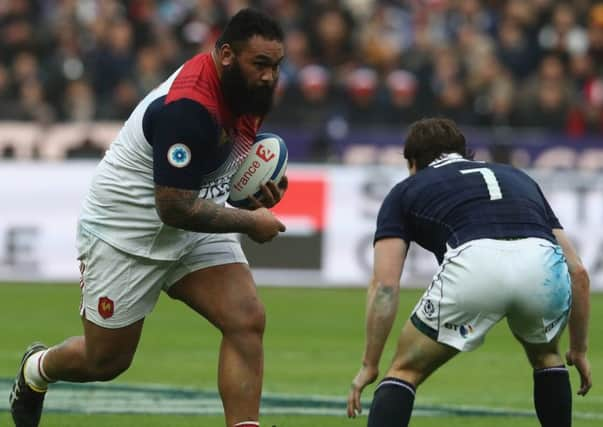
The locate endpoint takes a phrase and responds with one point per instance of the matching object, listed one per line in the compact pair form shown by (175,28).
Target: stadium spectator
(595,35)
(149,69)
(593,110)
(562,35)
(6,92)
(384,37)
(32,104)
(515,49)
(310,102)
(364,99)
(113,60)
(331,40)
(106,43)
(79,104)
(297,45)
(402,88)
(546,98)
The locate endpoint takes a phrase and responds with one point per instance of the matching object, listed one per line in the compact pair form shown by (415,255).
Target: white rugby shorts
(482,281)
(119,288)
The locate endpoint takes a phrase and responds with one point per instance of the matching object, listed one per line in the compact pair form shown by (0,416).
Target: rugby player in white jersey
(154,219)
(502,253)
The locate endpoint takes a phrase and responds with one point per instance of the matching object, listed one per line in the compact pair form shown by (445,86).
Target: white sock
(34,373)
(247,424)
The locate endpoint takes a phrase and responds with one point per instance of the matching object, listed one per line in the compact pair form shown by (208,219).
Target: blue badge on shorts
(428,308)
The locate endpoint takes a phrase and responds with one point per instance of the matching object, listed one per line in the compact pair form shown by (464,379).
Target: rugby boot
(26,403)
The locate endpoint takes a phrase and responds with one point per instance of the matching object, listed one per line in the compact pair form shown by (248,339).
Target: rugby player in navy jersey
(501,253)
(154,220)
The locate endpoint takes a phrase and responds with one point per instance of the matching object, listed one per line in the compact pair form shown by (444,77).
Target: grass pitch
(313,344)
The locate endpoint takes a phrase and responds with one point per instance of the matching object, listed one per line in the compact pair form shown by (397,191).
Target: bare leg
(418,356)
(227,297)
(544,355)
(100,355)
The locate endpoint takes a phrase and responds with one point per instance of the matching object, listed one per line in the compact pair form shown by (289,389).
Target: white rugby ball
(266,161)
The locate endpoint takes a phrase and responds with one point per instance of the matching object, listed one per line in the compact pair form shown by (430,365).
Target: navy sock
(553,397)
(392,403)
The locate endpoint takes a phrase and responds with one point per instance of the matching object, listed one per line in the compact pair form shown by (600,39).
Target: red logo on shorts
(105,307)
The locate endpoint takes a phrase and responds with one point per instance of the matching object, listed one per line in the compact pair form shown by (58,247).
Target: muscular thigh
(213,278)
(111,346)
(418,356)
(224,294)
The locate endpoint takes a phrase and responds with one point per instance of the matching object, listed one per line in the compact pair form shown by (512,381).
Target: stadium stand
(368,63)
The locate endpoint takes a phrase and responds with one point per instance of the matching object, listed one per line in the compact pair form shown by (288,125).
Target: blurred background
(524,79)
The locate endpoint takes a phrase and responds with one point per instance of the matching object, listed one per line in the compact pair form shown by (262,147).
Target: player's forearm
(382,305)
(183,209)
(578,322)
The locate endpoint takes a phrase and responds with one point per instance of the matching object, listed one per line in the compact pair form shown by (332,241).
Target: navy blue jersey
(189,123)
(454,200)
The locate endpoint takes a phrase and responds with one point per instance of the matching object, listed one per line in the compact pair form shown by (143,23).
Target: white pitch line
(157,399)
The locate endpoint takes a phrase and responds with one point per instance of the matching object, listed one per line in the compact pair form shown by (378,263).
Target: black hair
(248,23)
(429,138)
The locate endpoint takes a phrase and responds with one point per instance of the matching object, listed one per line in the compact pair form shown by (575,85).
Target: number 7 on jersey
(490,179)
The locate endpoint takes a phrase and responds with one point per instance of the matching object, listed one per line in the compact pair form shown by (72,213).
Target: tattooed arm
(383,296)
(381,306)
(183,209)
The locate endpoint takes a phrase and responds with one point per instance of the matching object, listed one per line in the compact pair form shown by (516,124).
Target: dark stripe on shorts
(423,327)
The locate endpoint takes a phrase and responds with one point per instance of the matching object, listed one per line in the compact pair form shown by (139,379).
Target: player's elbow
(162,213)
(580,277)
(169,215)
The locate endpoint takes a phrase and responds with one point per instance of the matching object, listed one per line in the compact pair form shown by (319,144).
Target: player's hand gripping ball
(267,161)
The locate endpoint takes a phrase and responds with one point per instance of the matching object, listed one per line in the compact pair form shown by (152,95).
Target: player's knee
(109,367)
(249,318)
(543,355)
(545,360)
(407,368)
(406,373)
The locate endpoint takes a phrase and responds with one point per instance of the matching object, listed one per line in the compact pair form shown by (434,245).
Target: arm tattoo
(184,209)
(381,312)
(384,300)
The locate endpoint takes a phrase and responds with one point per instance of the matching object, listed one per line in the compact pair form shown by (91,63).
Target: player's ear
(226,55)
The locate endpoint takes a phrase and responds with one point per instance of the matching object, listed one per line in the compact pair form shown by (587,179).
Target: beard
(242,98)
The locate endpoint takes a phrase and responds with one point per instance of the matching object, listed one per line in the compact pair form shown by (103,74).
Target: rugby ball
(266,161)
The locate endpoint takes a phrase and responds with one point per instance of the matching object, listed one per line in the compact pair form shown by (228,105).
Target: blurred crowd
(524,63)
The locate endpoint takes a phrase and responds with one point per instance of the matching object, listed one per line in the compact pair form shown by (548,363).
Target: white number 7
(490,179)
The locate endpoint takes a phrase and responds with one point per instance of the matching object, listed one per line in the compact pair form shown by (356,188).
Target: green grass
(313,344)
(52,420)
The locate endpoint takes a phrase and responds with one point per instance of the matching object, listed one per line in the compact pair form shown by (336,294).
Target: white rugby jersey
(180,135)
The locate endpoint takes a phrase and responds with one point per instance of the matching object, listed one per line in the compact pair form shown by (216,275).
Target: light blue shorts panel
(485,280)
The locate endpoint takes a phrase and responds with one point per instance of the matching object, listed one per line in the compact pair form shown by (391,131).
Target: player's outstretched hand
(266,226)
(580,361)
(365,376)
(272,193)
